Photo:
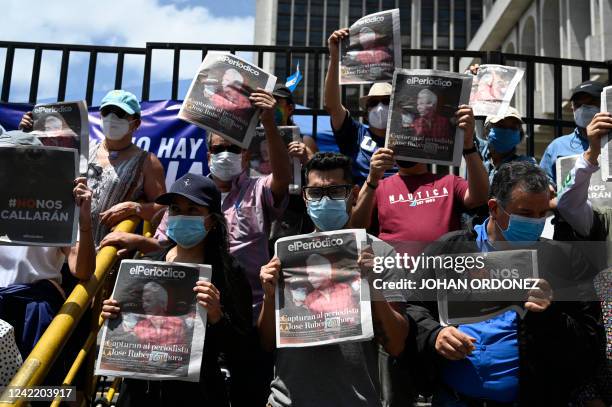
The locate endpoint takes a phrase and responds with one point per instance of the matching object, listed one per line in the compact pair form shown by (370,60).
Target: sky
(118,23)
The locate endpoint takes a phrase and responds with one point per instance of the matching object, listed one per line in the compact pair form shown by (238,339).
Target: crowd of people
(556,355)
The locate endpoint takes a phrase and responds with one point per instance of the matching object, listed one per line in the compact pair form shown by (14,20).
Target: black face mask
(405,164)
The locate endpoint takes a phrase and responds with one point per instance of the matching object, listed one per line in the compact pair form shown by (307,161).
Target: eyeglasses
(335,192)
(219,148)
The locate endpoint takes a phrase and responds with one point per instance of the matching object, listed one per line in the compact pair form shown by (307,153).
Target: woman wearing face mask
(120,173)
(198,233)
(503,134)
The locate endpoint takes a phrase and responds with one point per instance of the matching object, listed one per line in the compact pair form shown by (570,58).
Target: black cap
(282,91)
(197,188)
(589,87)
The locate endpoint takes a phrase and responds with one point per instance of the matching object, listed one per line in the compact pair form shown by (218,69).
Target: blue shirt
(492,370)
(483,146)
(357,142)
(564,146)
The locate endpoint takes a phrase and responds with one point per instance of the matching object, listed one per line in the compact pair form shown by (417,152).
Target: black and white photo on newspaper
(259,160)
(64,124)
(37,207)
(605,161)
(218,98)
(159,334)
(421,125)
(494,282)
(600,191)
(493,88)
(321,297)
(372,50)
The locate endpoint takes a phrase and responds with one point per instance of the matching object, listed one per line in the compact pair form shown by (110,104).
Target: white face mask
(115,128)
(584,115)
(377,116)
(225,165)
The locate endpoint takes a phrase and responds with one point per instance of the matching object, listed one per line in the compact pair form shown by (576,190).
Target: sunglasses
(374,102)
(219,148)
(335,192)
(120,113)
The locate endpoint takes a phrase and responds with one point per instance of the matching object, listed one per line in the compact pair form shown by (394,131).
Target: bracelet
(470,151)
(369,184)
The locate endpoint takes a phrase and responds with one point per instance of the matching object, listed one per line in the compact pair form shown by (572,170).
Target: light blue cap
(122,99)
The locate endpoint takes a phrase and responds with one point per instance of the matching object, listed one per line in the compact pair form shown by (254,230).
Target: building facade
(573,29)
(425,24)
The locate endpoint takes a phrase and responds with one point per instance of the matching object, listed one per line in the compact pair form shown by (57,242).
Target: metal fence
(415,58)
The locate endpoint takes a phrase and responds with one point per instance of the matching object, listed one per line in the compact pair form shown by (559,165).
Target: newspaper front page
(64,124)
(37,207)
(493,88)
(260,156)
(218,98)
(321,297)
(422,126)
(159,334)
(493,285)
(372,50)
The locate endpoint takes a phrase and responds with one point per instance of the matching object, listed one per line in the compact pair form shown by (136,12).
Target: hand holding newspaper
(161,329)
(372,50)
(218,98)
(606,145)
(321,297)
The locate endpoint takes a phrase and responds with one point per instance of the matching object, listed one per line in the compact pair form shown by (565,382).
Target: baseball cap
(122,99)
(379,89)
(592,88)
(18,138)
(282,91)
(197,188)
(510,112)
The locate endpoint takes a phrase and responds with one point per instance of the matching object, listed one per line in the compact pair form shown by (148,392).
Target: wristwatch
(470,151)
(368,183)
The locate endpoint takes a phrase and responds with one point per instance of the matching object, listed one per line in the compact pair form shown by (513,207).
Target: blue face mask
(186,231)
(522,228)
(504,140)
(328,214)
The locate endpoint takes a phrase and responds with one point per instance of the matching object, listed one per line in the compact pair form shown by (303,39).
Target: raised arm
(279,156)
(478,180)
(266,323)
(82,257)
(573,203)
(333,103)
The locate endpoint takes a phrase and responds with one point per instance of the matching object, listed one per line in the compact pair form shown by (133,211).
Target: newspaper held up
(37,207)
(321,297)
(467,298)
(422,126)
(372,50)
(260,156)
(218,98)
(606,145)
(159,334)
(64,124)
(493,88)
(600,192)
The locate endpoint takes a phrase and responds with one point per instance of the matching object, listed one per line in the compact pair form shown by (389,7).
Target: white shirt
(29,264)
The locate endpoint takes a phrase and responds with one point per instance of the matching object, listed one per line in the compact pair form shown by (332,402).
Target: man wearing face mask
(415,205)
(586,100)
(502,135)
(508,361)
(354,139)
(351,367)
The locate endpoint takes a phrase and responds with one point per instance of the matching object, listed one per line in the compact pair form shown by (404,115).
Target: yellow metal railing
(39,361)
